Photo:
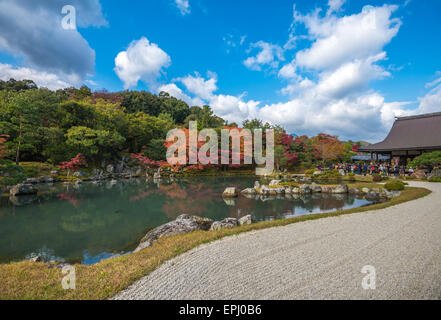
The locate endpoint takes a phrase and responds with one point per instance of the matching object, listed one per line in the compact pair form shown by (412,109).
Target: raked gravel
(318,259)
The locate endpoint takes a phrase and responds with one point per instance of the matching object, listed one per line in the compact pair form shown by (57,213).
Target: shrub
(434,179)
(351,174)
(431,159)
(376,177)
(394,185)
(310,172)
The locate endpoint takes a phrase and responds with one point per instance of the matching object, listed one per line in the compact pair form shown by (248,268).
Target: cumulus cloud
(269,55)
(335,6)
(42,79)
(431,102)
(32,31)
(141,61)
(328,82)
(183,6)
(199,86)
(173,90)
(203,91)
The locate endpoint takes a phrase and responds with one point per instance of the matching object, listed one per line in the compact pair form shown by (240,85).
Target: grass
(29,280)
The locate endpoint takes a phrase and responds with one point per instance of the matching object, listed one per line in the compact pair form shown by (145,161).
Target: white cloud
(42,79)
(434,82)
(183,6)
(431,102)
(199,86)
(335,6)
(357,36)
(141,61)
(328,82)
(31,31)
(173,90)
(269,54)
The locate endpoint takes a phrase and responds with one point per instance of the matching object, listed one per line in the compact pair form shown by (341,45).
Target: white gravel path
(318,259)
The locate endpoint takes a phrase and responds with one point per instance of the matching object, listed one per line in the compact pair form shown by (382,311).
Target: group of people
(384,168)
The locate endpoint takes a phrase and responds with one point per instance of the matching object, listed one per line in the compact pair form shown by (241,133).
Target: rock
(435,173)
(295,190)
(32,181)
(230,192)
(23,189)
(203,223)
(365,190)
(78,182)
(354,191)
(288,190)
(230,201)
(326,189)
(419,174)
(256,185)
(305,189)
(110,168)
(36,259)
(54,173)
(77,174)
(183,224)
(245,220)
(316,188)
(138,172)
(372,196)
(224,224)
(317,172)
(274,183)
(343,188)
(249,191)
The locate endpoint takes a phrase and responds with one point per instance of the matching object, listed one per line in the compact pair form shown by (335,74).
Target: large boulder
(343,188)
(245,220)
(316,188)
(23,189)
(251,191)
(326,189)
(434,173)
(419,174)
(305,189)
(183,224)
(230,192)
(224,224)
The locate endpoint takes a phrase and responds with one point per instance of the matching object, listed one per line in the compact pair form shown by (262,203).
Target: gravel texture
(318,259)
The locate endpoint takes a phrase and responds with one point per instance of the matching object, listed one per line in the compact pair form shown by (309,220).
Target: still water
(88,223)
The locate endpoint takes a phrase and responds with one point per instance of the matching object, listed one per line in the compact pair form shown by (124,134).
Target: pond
(88,223)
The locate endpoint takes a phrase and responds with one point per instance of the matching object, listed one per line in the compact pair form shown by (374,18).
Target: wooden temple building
(408,138)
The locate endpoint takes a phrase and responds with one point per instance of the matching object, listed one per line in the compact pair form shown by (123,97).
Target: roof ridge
(418,116)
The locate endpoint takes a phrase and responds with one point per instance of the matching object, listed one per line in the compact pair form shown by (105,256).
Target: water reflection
(91,221)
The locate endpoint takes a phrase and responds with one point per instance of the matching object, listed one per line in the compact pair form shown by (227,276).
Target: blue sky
(341,67)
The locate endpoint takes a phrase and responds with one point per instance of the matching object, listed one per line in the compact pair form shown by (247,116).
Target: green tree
(94,144)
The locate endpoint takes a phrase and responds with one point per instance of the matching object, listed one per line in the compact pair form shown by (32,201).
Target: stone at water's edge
(305,189)
(23,189)
(183,224)
(274,183)
(245,220)
(249,191)
(230,192)
(343,188)
(224,224)
(316,188)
